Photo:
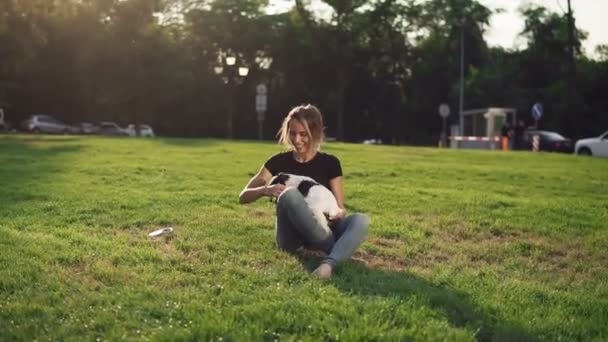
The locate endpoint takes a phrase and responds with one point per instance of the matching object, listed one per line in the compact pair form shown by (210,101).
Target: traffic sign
(261,100)
(444,110)
(261,89)
(537,111)
(261,103)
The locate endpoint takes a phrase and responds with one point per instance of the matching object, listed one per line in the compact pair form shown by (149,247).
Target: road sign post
(444,112)
(261,105)
(537,113)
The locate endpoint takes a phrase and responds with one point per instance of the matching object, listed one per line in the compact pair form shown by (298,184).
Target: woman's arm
(256,187)
(337,188)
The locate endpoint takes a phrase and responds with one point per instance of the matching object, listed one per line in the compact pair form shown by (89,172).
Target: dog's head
(280,178)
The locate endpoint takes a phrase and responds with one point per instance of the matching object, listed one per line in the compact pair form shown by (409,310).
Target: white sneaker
(163,232)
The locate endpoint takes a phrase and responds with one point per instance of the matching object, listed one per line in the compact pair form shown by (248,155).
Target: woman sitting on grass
(302,133)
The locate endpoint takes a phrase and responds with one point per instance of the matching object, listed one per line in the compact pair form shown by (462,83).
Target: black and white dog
(320,199)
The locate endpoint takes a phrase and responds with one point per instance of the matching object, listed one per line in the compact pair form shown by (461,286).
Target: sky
(505,27)
(589,15)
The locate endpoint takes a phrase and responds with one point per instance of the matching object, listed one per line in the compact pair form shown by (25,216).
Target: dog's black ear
(280,178)
(305,186)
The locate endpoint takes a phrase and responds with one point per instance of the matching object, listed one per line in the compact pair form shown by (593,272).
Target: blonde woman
(302,133)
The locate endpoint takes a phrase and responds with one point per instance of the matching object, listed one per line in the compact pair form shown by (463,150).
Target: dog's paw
(335,213)
(332,213)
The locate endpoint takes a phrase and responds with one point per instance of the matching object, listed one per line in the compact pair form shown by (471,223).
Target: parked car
(146,131)
(372,141)
(47,124)
(548,141)
(4,126)
(111,128)
(140,130)
(131,130)
(597,146)
(87,128)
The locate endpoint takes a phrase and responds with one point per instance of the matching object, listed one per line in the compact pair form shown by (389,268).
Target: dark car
(548,141)
(87,128)
(111,128)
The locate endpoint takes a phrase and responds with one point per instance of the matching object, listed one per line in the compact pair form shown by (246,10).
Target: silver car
(597,146)
(47,124)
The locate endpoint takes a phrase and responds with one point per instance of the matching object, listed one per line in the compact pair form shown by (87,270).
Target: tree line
(376,68)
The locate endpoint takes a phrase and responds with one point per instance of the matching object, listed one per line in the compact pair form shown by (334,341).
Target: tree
(342,35)
(435,72)
(387,63)
(546,64)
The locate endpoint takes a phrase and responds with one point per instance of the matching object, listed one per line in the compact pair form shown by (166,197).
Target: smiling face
(299,136)
(302,130)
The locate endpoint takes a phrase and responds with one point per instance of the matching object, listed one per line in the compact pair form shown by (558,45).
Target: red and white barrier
(472,138)
(535,142)
(474,142)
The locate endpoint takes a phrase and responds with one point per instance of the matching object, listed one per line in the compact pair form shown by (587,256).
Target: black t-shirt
(322,167)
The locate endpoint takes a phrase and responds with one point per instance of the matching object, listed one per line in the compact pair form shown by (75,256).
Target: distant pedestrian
(505,135)
(302,133)
(518,135)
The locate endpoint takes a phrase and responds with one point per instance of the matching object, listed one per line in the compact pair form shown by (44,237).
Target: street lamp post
(261,100)
(232,74)
(461,86)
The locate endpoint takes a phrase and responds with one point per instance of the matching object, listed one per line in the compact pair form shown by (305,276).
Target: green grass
(464,245)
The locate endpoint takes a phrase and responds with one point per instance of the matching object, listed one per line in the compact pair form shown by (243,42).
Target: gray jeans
(296,227)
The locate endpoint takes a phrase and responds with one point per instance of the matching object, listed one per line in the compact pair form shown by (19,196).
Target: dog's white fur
(320,199)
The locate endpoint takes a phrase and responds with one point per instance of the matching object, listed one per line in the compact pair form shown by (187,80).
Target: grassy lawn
(464,245)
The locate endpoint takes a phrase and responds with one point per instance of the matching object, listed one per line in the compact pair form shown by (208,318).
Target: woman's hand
(258,182)
(273,191)
(338,216)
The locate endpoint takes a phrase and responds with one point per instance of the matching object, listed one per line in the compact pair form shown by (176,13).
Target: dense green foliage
(375,68)
(464,245)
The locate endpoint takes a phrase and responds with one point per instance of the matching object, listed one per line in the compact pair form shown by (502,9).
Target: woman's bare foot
(323,271)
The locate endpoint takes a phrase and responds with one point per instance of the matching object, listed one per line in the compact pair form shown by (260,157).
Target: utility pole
(461,90)
(570,111)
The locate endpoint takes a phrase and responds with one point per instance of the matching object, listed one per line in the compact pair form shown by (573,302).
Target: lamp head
(243,71)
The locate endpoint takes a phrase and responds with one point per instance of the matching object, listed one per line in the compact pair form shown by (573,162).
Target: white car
(3,123)
(593,146)
(140,130)
(146,131)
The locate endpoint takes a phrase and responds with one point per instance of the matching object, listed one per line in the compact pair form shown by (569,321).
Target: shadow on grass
(38,138)
(355,277)
(188,142)
(28,162)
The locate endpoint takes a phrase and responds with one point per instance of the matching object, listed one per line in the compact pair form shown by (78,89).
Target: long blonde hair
(310,116)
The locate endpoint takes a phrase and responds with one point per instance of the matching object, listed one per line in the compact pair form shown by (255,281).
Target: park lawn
(463,245)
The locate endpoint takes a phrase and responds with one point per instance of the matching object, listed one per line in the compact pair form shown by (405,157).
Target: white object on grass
(166,232)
